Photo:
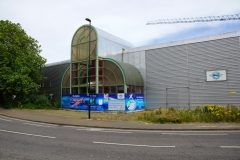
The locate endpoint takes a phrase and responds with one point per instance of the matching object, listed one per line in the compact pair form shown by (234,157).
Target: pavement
(46,117)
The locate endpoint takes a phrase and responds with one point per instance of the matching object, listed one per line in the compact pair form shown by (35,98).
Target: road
(26,140)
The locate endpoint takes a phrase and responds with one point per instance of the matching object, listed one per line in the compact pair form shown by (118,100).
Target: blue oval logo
(216,75)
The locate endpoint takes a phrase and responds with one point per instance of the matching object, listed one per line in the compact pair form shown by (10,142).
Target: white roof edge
(57,63)
(188,41)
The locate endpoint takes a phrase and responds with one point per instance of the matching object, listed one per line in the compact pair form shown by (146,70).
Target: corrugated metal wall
(166,75)
(176,76)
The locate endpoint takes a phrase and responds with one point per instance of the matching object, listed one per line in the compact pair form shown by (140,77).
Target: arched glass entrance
(105,75)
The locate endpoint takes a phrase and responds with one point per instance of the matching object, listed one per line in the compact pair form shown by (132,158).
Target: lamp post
(89,47)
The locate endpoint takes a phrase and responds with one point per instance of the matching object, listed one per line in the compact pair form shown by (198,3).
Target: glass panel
(66,79)
(110,44)
(74,90)
(100,80)
(93,49)
(65,91)
(92,89)
(80,45)
(84,36)
(113,89)
(83,90)
(120,89)
(106,89)
(74,66)
(74,53)
(100,89)
(83,50)
(74,81)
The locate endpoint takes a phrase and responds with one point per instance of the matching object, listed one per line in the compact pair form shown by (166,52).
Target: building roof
(131,74)
(57,63)
(103,34)
(162,45)
(189,41)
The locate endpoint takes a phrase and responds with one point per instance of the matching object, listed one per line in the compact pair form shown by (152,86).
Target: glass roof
(131,74)
(103,44)
(109,44)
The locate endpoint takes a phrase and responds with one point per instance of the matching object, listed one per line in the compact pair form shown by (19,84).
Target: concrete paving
(43,116)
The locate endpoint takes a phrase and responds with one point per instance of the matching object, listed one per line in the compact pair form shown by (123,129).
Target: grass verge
(207,113)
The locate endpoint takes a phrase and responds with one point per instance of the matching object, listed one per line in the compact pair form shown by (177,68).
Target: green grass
(207,113)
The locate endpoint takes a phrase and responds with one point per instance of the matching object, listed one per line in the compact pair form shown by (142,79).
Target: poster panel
(80,102)
(134,102)
(97,102)
(116,102)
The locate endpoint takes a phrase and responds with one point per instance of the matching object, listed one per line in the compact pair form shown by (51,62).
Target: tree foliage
(20,62)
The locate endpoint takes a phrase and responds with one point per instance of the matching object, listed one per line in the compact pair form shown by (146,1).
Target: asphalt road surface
(26,140)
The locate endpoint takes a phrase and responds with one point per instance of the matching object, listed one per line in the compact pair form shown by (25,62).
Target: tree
(20,62)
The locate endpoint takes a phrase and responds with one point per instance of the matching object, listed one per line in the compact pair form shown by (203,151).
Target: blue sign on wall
(104,102)
(134,102)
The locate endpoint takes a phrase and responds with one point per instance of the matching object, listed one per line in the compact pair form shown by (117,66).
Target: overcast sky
(53,22)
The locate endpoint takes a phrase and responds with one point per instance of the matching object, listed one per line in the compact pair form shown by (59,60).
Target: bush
(206,113)
(33,102)
(160,116)
(188,116)
(218,113)
(172,115)
(36,102)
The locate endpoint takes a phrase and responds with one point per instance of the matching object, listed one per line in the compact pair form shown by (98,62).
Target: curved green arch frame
(121,69)
(135,80)
(92,28)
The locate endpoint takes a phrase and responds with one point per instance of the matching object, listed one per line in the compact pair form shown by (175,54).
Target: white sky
(53,22)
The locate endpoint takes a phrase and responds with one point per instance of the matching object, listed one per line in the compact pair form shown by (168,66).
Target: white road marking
(15,119)
(207,126)
(42,123)
(230,147)
(134,130)
(8,120)
(89,129)
(27,134)
(38,125)
(28,122)
(74,127)
(156,131)
(132,145)
(103,130)
(196,134)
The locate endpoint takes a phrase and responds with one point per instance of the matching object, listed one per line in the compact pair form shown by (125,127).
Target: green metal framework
(106,75)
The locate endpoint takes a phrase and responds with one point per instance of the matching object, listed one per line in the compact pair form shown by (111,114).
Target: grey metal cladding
(176,75)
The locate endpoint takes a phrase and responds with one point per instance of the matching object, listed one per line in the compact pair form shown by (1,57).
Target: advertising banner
(134,102)
(104,102)
(80,102)
(116,102)
(97,102)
